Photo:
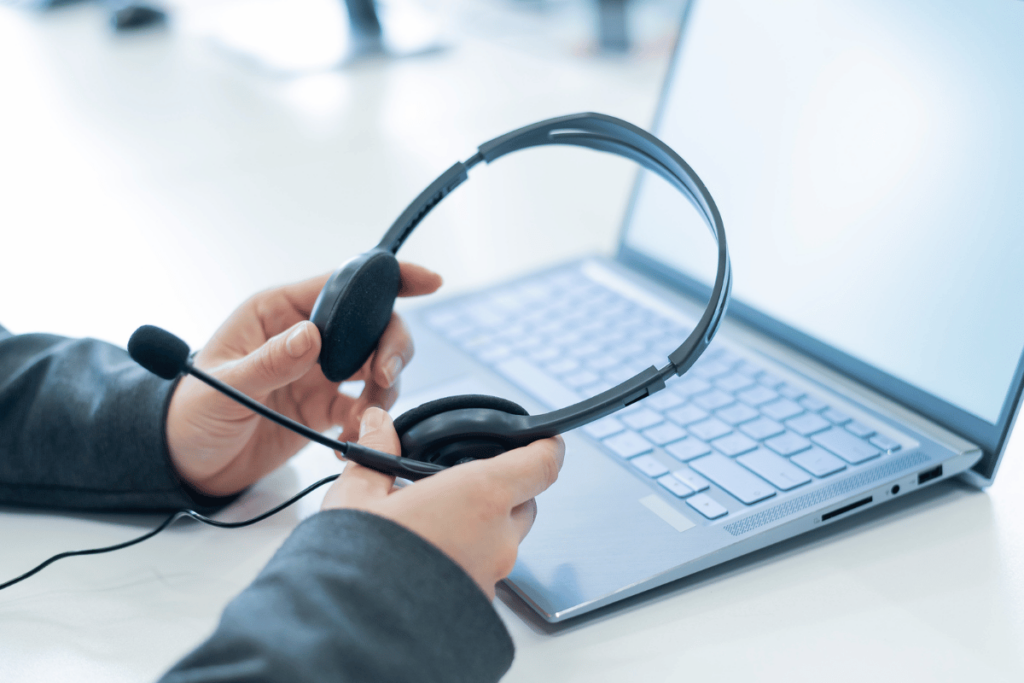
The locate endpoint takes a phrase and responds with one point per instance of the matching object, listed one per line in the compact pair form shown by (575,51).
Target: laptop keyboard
(727,423)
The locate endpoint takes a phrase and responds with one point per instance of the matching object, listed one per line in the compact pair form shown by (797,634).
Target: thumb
(281,360)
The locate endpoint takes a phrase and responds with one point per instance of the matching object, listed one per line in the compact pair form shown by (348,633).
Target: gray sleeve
(354,597)
(82,427)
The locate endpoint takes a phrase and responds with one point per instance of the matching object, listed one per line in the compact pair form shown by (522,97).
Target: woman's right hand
(476,513)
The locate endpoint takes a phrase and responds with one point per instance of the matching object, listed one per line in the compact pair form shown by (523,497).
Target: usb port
(928,475)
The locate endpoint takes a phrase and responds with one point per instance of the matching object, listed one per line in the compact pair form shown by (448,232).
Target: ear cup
(411,418)
(352,311)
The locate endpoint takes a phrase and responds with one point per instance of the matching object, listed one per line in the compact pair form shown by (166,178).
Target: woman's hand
(477,513)
(268,349)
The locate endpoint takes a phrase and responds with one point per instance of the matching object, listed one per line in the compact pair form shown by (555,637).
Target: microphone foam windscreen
(158,351)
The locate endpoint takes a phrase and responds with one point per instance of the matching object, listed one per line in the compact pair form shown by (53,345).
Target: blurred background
(160,163)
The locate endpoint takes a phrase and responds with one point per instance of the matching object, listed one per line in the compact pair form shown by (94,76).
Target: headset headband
(614,136)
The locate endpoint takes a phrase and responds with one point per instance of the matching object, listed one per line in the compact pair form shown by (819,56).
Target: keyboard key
(762,428)
(747,368)
(664,433)
(663,400)
(734,382)
(628,444)
(493,354)
(846,445)
(775,469)
(712,400)
(688,449)
(769,380)
(544,355)
(528,344)
(708,429)
(642,419)
(687,414)
(580,379)
(755,396)
(584,350)
(604,427)
(791,392)
(818,462)
(808,423)
(707,506)
(649,465)
(734,444)
(836,417)
(562,366)
(885,443)
(737,481)
(630,348)
(678,488)
(602,362)
(710,369)
(696,482)
(783,409)
(736,414)
(788,443)
(535,381)
(860,429)
(723,355)
(690,385)
(813,404)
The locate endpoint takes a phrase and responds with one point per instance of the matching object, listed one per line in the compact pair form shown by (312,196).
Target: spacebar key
(537,382)
(740,483)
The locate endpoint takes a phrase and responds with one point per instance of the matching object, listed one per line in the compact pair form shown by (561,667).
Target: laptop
(865,156)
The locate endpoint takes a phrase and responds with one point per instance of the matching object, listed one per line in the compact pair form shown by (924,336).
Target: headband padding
(411,418)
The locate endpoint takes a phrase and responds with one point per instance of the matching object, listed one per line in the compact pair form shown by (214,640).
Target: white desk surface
(149,179)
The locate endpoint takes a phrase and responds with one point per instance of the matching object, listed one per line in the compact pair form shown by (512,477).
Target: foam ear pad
(353,309)
(410,419)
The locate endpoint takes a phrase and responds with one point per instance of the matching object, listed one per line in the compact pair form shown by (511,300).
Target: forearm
(82,427)
(354,597)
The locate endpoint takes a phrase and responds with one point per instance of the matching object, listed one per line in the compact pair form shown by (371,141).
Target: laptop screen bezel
(991,438)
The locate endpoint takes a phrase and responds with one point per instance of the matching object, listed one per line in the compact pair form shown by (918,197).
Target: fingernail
(372,420)
(391,370)
(298,342)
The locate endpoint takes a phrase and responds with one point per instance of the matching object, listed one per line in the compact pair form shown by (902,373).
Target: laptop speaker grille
(803,502)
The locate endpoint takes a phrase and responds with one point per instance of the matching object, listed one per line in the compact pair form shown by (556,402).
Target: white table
(148,179)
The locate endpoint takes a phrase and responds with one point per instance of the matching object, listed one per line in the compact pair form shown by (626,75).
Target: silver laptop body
(865,157)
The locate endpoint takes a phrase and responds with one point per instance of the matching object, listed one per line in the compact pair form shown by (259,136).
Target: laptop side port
(846,508)
(928,475)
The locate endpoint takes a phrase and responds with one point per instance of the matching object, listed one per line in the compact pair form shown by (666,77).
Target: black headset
(355,306)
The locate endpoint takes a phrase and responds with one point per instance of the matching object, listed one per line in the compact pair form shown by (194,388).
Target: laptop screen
(867,157)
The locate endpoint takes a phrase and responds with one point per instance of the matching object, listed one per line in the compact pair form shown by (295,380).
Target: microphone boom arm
(367,457)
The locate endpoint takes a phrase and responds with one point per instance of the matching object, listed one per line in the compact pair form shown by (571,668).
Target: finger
(526,472)
(375,395)
(394,351)
(523,517)
(281,360)
(417,280)
(302,295)
(357,484)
